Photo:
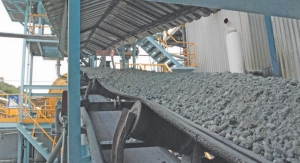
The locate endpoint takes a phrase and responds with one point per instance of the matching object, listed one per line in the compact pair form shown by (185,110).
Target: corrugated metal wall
(209,34)
(287,40)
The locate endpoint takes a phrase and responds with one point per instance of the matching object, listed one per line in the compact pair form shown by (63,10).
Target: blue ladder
(160,55)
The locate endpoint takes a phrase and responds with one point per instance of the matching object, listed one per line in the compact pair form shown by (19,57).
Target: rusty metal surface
(104,24)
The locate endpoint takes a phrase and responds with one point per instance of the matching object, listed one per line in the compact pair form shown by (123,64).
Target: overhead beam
(282,8)
(112,5)
(16,35)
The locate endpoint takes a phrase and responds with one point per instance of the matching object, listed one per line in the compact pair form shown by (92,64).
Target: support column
(123,54)
(23,61)
(31,71)
(20,143)
(39,10)
(74,143)
(272,47)
(26,151)
(134,55)
(92,61)
(104,61)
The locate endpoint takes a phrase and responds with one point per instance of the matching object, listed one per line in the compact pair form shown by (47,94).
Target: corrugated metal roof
(105,23)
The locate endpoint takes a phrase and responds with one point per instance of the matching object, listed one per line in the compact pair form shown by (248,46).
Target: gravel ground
(259,114)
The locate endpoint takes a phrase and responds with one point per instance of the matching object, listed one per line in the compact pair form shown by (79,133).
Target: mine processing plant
(107,110)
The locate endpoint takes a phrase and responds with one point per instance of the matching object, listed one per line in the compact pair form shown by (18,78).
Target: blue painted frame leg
(20,142)
(134,55)
(23,61)
(92,61)
(272,47)
(74,143)
(123,54)
(104,61)
(26,151)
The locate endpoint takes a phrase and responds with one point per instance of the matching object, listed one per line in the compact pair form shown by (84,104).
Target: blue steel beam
(134,55)
(46,94)
(282,8)
(74,137)
(123,54)
(45,87)
(20,149)
(23,60)
(272,47)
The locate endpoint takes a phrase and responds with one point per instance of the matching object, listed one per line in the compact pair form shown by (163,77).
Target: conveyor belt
(105,123)
(208,140)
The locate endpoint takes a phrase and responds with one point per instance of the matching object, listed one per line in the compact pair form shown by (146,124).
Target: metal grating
(105,23)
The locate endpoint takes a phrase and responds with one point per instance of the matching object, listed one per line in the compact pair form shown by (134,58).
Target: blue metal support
(26,151)
(123,54)
(43,125)
(126,63)
(272,47)
(282,8)
(23,61)
(30,86)
(30,76)
(58,95)
(134,55)
(39,40)
(39,10)
(104,61)
(74,136)
(92,61)
(20,143)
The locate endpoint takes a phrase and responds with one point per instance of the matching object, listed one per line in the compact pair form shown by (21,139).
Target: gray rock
(268,156)
(293,160)
(271,126)
(257,148)
(263,107)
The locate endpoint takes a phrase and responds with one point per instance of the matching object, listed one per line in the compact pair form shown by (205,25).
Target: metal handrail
(39,114)
(41,128)
(142,66)
(35,108)
(185,51)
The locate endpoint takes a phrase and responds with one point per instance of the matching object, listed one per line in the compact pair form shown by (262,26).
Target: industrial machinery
(103,115)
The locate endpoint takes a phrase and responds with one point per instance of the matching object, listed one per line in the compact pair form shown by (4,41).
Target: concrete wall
(8,145)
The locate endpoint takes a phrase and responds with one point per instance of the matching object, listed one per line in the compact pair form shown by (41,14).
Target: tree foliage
(9,89)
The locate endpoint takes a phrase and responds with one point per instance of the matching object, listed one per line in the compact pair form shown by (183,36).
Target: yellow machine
(51,101)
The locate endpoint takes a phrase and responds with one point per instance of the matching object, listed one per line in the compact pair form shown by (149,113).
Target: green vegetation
(9,89)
